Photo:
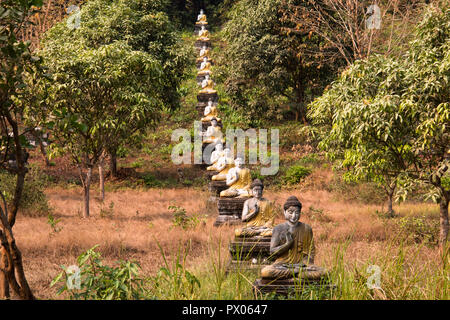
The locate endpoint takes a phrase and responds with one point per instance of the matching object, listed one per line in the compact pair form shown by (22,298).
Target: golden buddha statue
(292,246)
(201,18)
(207,86)
(223,165)
(205,68)
(203,35)
(213,134)
(210,112)
(215,156)
(238,181)
(258,213)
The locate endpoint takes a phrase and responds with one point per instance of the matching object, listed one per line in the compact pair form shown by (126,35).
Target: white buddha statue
(215,156)
(213,134)
(203,35)
(201,18)
(210,112)
(223,165)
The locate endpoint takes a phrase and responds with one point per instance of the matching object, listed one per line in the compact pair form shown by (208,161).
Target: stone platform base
(200,43)
(290,287)
(204,97)
(250,248)
(215,187)
(230,211)
(231,206)
(227,220)
(253,265)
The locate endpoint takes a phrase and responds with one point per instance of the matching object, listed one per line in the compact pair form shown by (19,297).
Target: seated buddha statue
(213,134)
(210,112)
(205,68)
(258,213)
(292,247)
(223,165)
(204,53)
(215,156)
(203,35)
(208,86)
(238,181)
(201,18)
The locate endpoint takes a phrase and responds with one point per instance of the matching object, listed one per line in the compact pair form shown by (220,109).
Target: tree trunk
(38,137)
(102,180)
(86,187)
(4,285)
(443,212)
(390,211)
(113,164)
(44,153)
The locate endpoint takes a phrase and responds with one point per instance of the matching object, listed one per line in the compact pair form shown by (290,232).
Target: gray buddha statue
(258,214)
(292,247)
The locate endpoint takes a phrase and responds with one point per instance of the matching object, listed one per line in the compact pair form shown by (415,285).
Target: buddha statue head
(210,102)
(214,122)
(227,152)
(239,162)
(257,188)
(201,11)
(219,147)
(292,209)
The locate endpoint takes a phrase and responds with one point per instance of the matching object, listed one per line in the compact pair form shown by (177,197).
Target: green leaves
(95,281)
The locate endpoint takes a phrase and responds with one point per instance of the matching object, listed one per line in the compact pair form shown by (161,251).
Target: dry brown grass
(139,217)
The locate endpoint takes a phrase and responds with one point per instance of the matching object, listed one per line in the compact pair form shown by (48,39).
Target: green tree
(16,63)
(145,26)
(109,83)
(267,64)
(363,126)
(384,118)
(427,99)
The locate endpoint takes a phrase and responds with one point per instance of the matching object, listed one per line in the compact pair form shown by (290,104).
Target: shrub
(151,182)
(92,280)
(420,229)
(295,174)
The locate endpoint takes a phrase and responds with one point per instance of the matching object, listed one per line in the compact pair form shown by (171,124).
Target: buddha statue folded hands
(213,134)
(258,213)
(238,181)
(203,35)
(210,112)
(292,247)
(201,18)
(204,53)
(223,165)
(215,156)
(208,87)
(205,68)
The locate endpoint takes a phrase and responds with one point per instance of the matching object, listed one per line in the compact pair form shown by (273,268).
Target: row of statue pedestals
(284,254)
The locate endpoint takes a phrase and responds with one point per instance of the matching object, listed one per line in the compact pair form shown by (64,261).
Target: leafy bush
(151,181)
(420,229)
(91,280)
(181,219)
(295,174)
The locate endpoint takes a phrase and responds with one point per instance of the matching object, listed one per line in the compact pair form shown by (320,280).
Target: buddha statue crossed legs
(223,165)
(238,181)
(292,247)
(258,213)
